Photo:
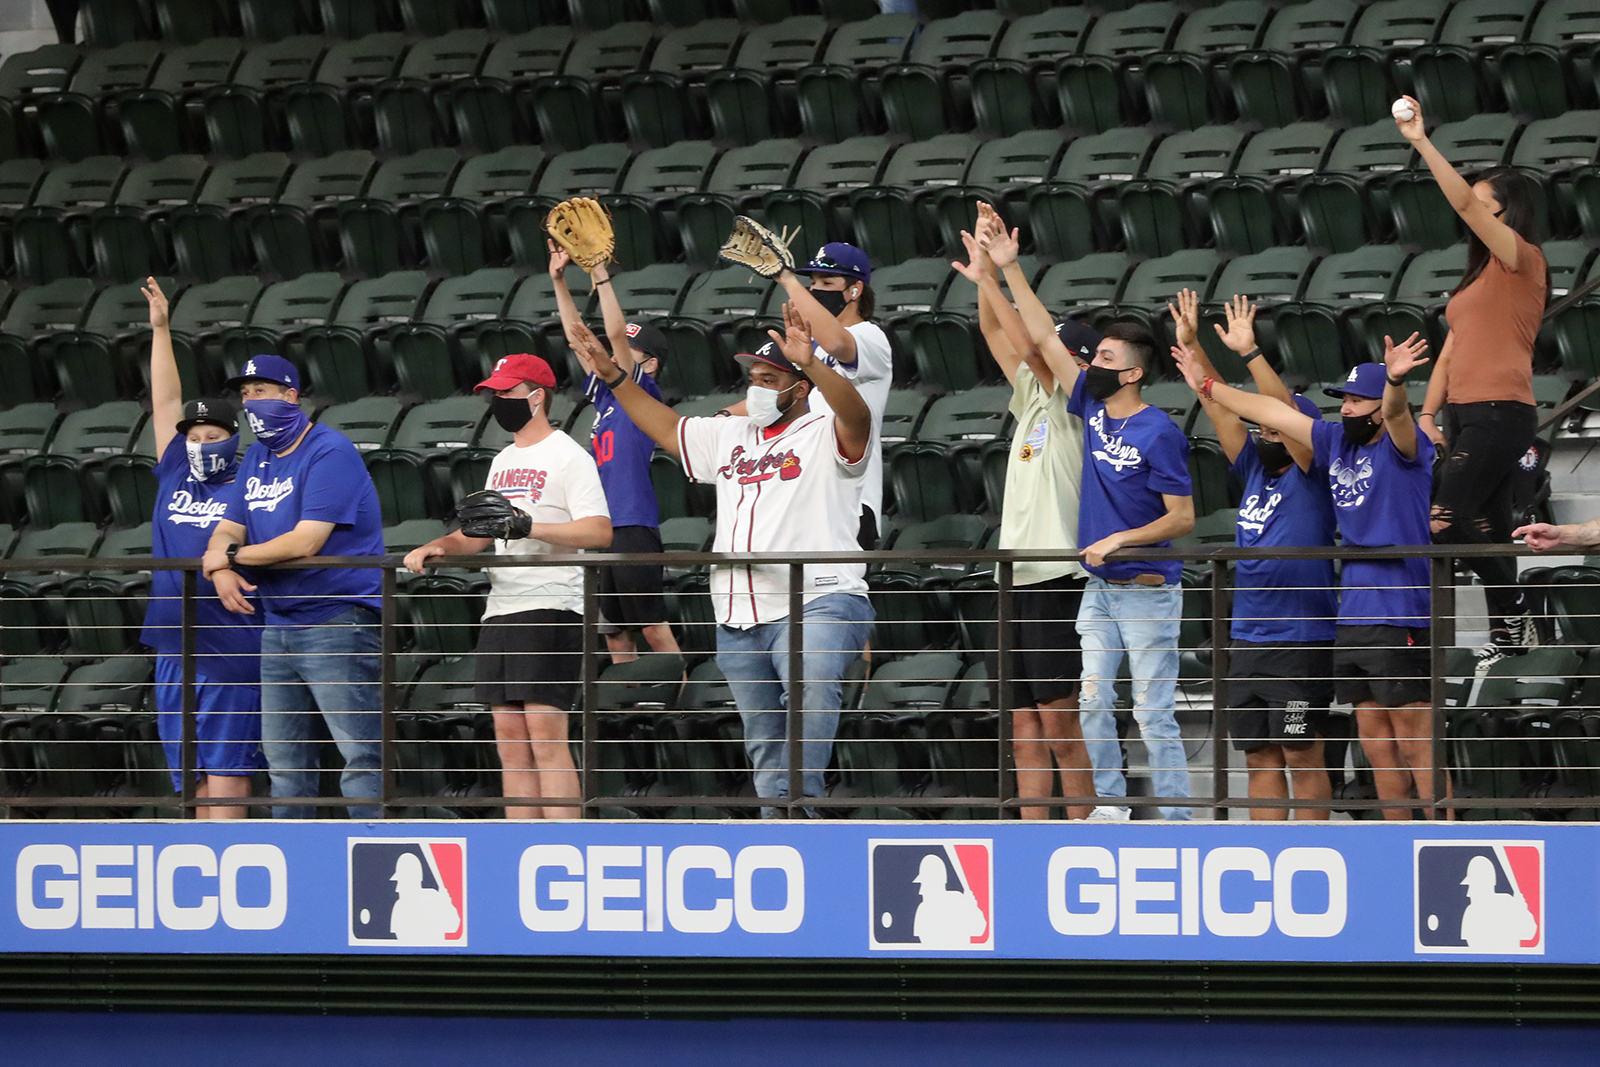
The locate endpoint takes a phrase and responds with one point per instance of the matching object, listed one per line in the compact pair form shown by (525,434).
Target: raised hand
(977,259)
(1411,129)
(1189,365)
(1186,317)
(1402,358)
(589,348)
(1241,332)
(795,341)
(158,304)
(1002,245)
(559,259)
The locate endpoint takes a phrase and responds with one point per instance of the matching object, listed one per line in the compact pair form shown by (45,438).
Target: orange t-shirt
(1494,321)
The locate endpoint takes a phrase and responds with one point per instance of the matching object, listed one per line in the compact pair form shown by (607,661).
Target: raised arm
(616,319)
(659,422)
(852,419)
(1501,239)
(835,340)
(1039,326)
(1399,360)
(166,388)
(1266,411)
(979,269)
(1232,434)
(1240,337)
(565,305)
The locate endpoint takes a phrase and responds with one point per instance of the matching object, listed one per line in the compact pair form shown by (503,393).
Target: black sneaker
(1522,631)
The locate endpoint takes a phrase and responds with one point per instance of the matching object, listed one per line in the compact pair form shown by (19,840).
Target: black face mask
(1102,382)
(832,300)
(511,412)
(1274,455)
(1359,429)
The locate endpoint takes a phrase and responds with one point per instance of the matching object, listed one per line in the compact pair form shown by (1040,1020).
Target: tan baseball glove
(582,226)
(753,245)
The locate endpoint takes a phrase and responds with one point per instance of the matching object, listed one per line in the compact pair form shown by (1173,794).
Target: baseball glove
(487,513)
(582,226)
(753,245)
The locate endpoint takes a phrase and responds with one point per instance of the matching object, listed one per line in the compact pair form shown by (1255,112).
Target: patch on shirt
(1034,445)
(826,579)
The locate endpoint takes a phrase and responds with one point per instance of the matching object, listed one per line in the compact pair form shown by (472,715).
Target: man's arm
(166,387)
(1232,434)
(1177,522)
(980,271)
(659,422)
(1399,360)
(1240,337)
(571,317)
(306,539)
(1547,537)
(591,531)
(616,320)
(852,419)
(835,340)
(1264,410)
(454,543)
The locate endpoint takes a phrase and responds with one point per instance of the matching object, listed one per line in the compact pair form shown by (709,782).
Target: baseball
(1402,111)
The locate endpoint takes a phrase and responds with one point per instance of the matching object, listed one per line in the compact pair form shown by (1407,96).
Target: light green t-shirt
(1042,479)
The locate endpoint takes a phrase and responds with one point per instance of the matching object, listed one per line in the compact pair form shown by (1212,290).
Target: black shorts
(1386,665)
(1046,658)
(531,657)
(630,597)
(1278,694)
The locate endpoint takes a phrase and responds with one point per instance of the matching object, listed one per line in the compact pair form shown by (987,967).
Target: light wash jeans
(331,669)
(756,664)
(1142,621)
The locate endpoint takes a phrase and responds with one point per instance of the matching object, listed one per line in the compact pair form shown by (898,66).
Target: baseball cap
(511,370)
(1365,380)
(1080,338)
(836,257)
(646,338)
(266,368)
(209,413)
(772,355)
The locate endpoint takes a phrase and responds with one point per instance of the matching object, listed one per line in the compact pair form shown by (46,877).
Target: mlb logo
(408,892)
(1480,897)
(931,894)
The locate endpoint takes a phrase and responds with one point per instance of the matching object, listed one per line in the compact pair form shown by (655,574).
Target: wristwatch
(233,552)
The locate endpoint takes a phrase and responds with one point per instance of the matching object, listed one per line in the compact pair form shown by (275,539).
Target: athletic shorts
(227,723)
(530,657)
(1387,665)
(630,597)
(1278,694)
(1046,658)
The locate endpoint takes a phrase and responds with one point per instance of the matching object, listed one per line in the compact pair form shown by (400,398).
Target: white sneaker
(1523,630)
(1489,655)
(1108,813)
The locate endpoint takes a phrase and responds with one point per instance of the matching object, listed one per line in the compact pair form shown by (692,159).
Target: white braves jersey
(873,374)
(791,493)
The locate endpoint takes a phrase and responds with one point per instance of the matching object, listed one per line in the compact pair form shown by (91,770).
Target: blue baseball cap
(839,258)
(1365,380)
(773,356)
(1081,339)
(1308,407)
(267,368)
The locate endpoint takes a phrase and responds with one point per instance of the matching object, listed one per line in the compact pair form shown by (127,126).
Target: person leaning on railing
(788,480)
(1380,473)
(1549,537)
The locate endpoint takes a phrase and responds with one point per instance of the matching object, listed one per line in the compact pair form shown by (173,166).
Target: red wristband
(1205,387)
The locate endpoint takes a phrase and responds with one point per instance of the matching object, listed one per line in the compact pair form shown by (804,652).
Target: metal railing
(1001,802)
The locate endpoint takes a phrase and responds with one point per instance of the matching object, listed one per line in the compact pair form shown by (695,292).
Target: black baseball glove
(487,513)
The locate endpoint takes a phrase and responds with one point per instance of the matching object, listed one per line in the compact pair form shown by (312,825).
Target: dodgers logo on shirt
(1350,484)
(1113,451)
(931,894)
(186,509)
(266,496)
(408,892)
(1480,897)
(1253,514)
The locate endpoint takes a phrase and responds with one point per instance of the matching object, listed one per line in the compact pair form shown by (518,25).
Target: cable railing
(928,720)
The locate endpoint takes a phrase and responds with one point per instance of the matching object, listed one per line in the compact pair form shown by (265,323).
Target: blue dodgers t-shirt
(1283,599)
(323,480)
(622,454)
(1128,464)
(1381,498)
(227,646)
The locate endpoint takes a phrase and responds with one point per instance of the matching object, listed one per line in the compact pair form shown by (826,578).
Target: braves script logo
(1350,483)
(1253,514)
(187,510)
(265,496)
(1113,451)
(786,465)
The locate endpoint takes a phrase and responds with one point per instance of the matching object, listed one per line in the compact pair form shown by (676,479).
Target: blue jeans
(331,669)
(1142,621)
(756,664)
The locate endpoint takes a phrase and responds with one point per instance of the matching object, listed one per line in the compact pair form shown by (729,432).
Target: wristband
(618,380)
(723,414)
(1205,387)
(603,281)
(232,552)
(1252,354)
(1396,382)
(1428,415)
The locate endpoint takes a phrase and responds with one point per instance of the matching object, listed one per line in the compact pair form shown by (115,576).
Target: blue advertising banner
(1134,891)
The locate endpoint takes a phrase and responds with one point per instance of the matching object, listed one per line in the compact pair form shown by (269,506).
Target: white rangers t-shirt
(792,492)
(554,481)
(873,374)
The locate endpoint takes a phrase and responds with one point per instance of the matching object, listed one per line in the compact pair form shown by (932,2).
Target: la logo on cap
(249,369)
(201,409)
(822,250)
(1353,372)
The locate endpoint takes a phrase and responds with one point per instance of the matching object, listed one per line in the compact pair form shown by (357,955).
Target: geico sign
(595,895)
(1134,876)
(79,883)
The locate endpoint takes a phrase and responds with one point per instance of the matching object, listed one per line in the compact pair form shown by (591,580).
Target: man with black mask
(1280,665)
(1380,472)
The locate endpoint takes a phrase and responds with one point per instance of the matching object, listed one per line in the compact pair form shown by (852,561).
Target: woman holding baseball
(1482,387)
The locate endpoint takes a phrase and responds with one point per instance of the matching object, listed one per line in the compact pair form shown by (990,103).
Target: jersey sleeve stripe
(683,450)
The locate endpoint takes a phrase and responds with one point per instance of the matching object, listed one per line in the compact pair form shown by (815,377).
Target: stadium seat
(531,322)
(279,317)
(643,222)
(1422,216)
(26,364)
(64,483)
(200,315)
(1279,82)
(297,232)
(938,473)
(107,23)
(1542,76)
(754,98)
(1000,172)
(1314,339)
(930,93)
(838,98)
(31,608)
(1255,207)
(1268,279)
(127,235)
(1101,87)
(245,114)
(410,111)
(904,292)
(333,111)
(664,103)
(348,358)
(466,229)
(368,422)
(1345,205)
(272,20)
(701,334)
(1357,77)
(130,480)
(1014,90)
(1417,304)
(19,178)
(1187,87)
(49,237)
(1075,288)
(166,117)
(895,218)
(98,362)
(1151,285)
(571,108)
(73,124)
(488,109)
(1450,73)
(443,610)
(1163,210)
(24,77)
(411,471)
(817,203)
(378,230)
(1073,213)
(434,355)
(1552,151)
(105,609)
(25,430)
(209,238)
(590,171)
(188,22)
(734,186)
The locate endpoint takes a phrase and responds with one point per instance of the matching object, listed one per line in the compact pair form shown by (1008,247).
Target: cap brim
(1340,394)
(188,424)
(747,359)
(501,381)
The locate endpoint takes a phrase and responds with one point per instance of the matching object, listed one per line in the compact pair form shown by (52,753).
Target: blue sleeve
(1425,450)
(1325,438)
(175,460)
(334,483)
(1169,463)
(1080,396)
(1247,461)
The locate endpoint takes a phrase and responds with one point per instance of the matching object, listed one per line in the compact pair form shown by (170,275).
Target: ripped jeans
(1141,621)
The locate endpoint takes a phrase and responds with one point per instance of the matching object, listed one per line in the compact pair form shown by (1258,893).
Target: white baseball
(1402,111)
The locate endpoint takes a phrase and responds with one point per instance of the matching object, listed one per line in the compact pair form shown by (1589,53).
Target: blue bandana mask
(277,423)
(214,462)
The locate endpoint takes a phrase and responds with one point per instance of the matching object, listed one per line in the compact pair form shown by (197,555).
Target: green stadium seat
(906,291)
(49,237)
(298,231)
(277,321)
(378,230)
(402,537)
(430,18)
(1576,330)
(1345,205)
(1163,210)
(130,480)
(531,323)
(1208,473)
(1255,207)
(1550,151)
(487,109)
(1268,279)
(1075,288)
(590,171)
(1314,340)
(1422,216)
(1014,90)
(410,111)
(1544,76)
(734,186)
(26,367)
(1279,82)
(356,18)
(19,178)
(65,483)
(684,533)
(25,76)
(1101,87)
(189,22)
(641,208)
(105,609)
(570,108)
(930,93)
(754,98)
(107,23)
(31,608)
(1152,284)
(99,361)
(895,218)
(245,114)
(348,358)
(126,235)
(938,473)
(435,354)
(1417,304)
(209,238)
(70,122)
(466,230)
(817,203)
(664,103)
(200,315)
(411,470)
(1073,213)
(838,98)
(25,430)
(443,610)
(701,334)
(1449,73)
(1357,77)
(1001,171)
(368,422)
(333,111)
(1187,87)
(273,20)
(162,119)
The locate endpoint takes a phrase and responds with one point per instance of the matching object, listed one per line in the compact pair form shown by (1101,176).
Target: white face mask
(761,404)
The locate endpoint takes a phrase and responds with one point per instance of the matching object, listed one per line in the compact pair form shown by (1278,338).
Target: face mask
(1359,429)
(761,404)
(213,461)
(1274,455)
(512,412)
(832,300)
(277,423)
(1102,382)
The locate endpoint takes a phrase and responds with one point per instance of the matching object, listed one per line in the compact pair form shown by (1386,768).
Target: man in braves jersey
(630,597)
(530,650)
(788,479)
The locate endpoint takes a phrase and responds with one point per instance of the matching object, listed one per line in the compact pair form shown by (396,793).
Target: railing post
(1440,570)
(796,688)
(1219,691)
(187,743)
(386,692)
(1002,687)
(589,774)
